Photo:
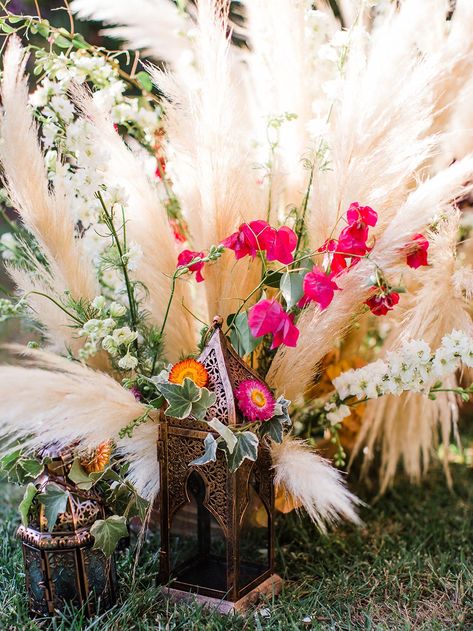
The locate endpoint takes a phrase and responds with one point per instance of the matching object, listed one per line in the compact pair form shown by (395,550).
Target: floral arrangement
(307,222)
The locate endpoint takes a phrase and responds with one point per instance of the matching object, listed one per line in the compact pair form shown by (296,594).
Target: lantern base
(271,586)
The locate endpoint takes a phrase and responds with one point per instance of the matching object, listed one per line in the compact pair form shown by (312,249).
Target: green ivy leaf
(108,532)
(180,397)
(226,433)
(31,467)
(240,335)
(246,448)
(80,477)
(144,81)
(210,453)
(25,504)
(291,288)
(54,500)
(273,428)
(273,279)
(200,407)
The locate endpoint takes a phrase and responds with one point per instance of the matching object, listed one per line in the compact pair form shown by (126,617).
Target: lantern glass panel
(254,541)
(198,546)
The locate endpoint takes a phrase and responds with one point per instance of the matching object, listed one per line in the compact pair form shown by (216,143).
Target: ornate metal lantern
(61,566)
(217,530)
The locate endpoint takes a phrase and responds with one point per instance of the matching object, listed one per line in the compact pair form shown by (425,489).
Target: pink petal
(284,243)
(264,317)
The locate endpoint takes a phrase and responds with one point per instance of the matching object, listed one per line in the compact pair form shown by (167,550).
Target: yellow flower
(190,369)
(98,459)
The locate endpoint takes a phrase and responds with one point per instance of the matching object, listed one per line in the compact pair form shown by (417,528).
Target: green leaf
(281,410)
(210,453)
(6,28)
(291,288)
(78,41)
(80,477)
(25,504)
(62,42)
(273,428)
(240,335)
(43,29)
(273,279)
(144,81)
(200,407)
(180,397)
(31,467)
(108,532)
(226,433)
(54,500)
(246,448)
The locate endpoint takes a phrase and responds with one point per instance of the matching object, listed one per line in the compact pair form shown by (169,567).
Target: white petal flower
(128,362)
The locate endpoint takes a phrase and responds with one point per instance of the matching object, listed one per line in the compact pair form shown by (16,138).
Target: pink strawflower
(319,287)
(380,304)
(250,238)
(268,317)
(255,400)
(186,257)
(417,251)
(283,245)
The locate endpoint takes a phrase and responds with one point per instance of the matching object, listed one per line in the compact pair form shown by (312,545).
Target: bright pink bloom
(160,167)
(333,261)
(283,245)
(255,400)
(381,303)
(361,214)
(186,257)
(417,251)
(250,238)
(177,231)
(352,240)
(268,317)
(319,287)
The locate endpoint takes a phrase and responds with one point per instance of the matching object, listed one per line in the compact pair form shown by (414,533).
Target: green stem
(166,315)
(39,293)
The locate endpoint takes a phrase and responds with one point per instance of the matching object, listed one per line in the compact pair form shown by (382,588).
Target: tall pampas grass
(407,427)
(210,155)
(64,402)
(292,371)
(44,212)
(314,483)
(147,225)
(157,27)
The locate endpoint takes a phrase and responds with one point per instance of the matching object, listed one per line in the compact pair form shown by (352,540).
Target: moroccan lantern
(61,567)
(217,527)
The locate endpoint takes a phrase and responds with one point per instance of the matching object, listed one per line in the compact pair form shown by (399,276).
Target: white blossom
(128,362)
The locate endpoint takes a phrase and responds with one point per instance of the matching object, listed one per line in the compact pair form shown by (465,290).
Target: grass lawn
(410,567)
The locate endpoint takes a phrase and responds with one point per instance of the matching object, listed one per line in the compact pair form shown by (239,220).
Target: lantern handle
(217,322)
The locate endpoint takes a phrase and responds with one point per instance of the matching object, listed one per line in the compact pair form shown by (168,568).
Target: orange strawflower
(190,369)
(98,459)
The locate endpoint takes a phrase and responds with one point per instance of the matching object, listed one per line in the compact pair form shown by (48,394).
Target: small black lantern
(217,527)
(61,567)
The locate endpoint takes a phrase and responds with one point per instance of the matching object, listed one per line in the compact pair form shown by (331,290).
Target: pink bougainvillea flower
(319,287)
(357,214)
(352,240)
(417,251)
(268,317)
(186,256)
(380,304)
(255,400)
(250,238)
(282,246)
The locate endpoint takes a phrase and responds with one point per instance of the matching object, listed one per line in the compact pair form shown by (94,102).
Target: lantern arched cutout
(222,581)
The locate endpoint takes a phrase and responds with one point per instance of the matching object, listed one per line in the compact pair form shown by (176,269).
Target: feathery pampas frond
(406,427)
(147,225)
(63,402)
(210,156)
(156,26)
(292,371)
(45,213)
(312,481)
